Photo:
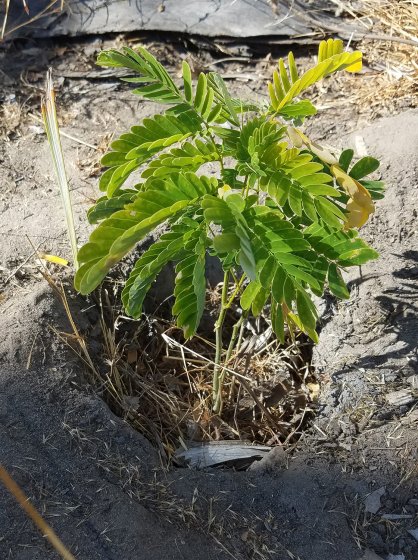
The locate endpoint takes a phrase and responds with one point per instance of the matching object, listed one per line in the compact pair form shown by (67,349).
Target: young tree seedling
(282,214)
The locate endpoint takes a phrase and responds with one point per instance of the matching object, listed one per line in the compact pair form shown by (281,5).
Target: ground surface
(96,481)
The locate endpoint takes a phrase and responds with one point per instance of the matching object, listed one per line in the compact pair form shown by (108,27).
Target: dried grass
(162,385)
(10,119)
(55,6)
(393,77)
(44,528)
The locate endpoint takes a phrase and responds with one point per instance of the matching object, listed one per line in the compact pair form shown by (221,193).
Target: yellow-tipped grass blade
(49,114)
(45,529)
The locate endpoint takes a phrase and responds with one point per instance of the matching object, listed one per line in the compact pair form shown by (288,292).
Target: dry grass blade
(48,10)
(171,342)
(387,33)
(386,21)
(60,293)
(65,135)
(42,525)
(49,114)
(6,15)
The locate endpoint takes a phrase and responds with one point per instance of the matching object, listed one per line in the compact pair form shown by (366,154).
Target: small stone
(399,398)
(414,533)
(370,555)
(409,508)
(376,541)
(389,504)
(396,516)
(381,529)
(413,381)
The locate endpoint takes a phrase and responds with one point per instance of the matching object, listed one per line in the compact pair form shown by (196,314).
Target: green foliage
(276,215)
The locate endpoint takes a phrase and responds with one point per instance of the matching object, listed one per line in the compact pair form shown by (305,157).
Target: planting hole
(161,384)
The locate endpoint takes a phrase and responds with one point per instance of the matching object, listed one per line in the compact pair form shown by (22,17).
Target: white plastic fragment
(217,453)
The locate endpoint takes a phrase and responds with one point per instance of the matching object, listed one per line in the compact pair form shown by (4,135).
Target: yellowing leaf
(358,212)
(360,204)
(356,67)
(223,190)
(53,259)
(313,389)
(295,136)
(323,153)
(298,138)
(331,59)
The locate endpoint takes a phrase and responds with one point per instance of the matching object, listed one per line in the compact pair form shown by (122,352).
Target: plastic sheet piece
(211,18)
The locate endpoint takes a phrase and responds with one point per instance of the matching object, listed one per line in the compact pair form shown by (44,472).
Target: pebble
(376,542)
(372,502)
(413,381)
(414,533)
(389,504)
(409,508)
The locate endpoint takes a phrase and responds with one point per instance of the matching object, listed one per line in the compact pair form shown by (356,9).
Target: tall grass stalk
(49,114)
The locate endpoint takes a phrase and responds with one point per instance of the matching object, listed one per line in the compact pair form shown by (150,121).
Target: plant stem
(217,403)
(218,371)
(218,336)
(211,136)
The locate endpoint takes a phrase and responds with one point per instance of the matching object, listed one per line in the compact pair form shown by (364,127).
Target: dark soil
(98,482)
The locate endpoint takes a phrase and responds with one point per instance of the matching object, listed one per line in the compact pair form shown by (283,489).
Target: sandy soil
(97,481)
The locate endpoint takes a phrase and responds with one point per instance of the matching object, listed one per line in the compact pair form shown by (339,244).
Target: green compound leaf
(298,109)
(336,282)
(190,289)
(134,148)
(159,85)
(331,59)
(169,247)
(229,216)
(346,248)
(364,167)
(293,178)
(117,235)
(105,207)
(188,157)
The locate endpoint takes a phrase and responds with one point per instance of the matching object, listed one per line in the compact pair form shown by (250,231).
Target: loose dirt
(98,482)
